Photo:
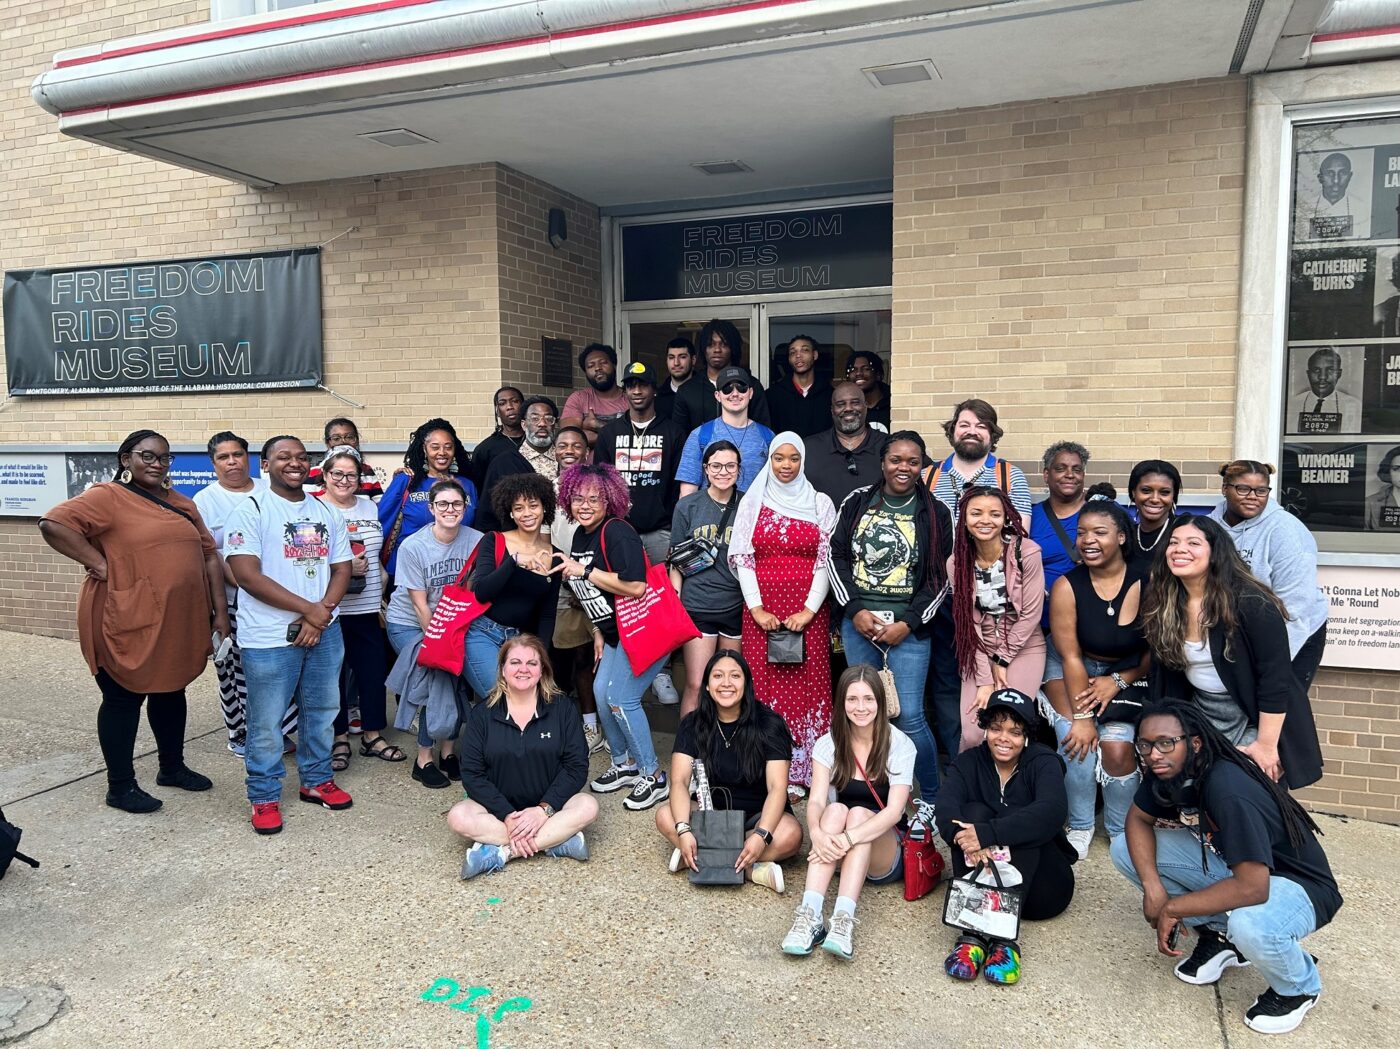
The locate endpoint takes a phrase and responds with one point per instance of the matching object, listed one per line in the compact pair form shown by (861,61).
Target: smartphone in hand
(294,631)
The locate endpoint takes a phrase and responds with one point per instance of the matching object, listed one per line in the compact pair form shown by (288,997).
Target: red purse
(653,625)
(923,864)
(444,644)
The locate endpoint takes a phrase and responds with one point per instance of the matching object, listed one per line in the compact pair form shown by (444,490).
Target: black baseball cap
(1017,702)
(732,374)
(638,372)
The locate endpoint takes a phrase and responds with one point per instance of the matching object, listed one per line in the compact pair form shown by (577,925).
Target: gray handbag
(719,837)
(786,646)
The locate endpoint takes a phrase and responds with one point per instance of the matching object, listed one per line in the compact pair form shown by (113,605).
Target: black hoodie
(1030,813)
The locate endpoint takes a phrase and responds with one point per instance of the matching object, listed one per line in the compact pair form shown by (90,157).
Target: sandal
(340,756)
(381,748)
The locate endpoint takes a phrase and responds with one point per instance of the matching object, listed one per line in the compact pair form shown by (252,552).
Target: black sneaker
(1212,956)
(133,799)
(430,776)
(647,791)
(615,778)
(1274,1013)
(185,778)
(451,766)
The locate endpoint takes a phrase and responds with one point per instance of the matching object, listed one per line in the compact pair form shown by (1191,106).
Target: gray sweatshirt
(1282,553)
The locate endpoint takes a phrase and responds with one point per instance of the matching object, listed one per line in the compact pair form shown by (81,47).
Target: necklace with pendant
(727,739)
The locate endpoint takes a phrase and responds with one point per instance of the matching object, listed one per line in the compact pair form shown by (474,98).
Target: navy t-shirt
(1242,824)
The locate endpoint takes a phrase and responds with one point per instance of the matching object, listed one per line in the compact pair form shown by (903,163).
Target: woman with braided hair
(1216,844)
(998,592)
(434,454)
(154,587)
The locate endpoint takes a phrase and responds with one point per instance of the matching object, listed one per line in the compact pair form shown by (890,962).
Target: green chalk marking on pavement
(493,899)
(511,1005)
(441,990)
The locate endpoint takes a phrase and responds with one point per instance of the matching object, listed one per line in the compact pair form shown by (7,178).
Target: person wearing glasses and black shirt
(1216,845)
(1281,553)
(847,456)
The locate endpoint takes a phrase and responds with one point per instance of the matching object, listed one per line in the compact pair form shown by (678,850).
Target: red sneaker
(267,817)
(327,795)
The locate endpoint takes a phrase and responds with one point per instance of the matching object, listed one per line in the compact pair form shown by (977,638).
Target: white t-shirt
(215,503)
(1200,667)
(362,525)
(298,543)
(901,761)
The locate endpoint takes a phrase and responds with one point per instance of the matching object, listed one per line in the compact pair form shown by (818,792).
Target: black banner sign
(226,322)
(818,250)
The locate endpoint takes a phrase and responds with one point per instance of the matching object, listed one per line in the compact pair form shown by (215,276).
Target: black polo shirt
(829,464)
(506,768)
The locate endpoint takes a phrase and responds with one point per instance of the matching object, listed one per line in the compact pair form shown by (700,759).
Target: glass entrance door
(839,326)
(646,333)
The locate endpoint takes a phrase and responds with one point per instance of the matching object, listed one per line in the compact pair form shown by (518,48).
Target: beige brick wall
(1075,262)
(38,587)
(1358,721)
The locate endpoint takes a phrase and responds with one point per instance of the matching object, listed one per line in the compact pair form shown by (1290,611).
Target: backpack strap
(1004,476)
(932,474)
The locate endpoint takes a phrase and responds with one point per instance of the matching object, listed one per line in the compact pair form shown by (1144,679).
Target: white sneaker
(593,736)
(838,938)
(769,875)
(665,691)
(1080,839)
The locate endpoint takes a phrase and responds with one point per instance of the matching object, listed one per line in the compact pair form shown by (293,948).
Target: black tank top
(1098,628)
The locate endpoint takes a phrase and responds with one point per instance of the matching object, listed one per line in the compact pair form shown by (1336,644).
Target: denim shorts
(895,873)
(1109,731)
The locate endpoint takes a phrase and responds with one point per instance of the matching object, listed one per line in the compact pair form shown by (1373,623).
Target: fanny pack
(694,555)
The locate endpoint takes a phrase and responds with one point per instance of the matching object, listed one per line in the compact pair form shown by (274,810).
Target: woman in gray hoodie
(1281,553)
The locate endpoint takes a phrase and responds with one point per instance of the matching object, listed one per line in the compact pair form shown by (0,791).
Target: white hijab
(796,499)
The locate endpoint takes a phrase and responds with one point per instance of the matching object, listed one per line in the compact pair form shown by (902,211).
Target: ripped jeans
(625,725)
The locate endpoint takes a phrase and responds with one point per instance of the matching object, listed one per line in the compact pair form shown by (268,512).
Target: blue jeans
(909,665)
(625,725)
(402,636)
(274,677)
(1268,934)
(484,640)
(945,682)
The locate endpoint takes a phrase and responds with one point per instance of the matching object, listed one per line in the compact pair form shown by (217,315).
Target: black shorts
(730,625)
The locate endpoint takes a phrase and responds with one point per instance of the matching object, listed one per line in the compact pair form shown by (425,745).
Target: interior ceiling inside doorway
(800,111)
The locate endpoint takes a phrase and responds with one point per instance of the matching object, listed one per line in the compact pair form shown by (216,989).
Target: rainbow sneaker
(1003,964)
(965,961)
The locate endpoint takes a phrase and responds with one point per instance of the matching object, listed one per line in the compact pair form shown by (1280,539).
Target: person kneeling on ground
(524,762)
(1215,844)
(746,750)
(1004,801)
(862,772)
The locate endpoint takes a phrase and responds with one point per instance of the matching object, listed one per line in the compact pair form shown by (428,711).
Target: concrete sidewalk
(184,929)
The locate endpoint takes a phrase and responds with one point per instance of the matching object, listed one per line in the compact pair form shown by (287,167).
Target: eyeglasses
(342,476)
(152,457)
(735,387)
(541,420)
(336,439)
(1161,746)
(851,467)
(586,500)
(1243,490)
(722,468)
(453,507)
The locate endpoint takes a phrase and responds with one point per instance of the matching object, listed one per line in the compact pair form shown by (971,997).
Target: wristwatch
(1001,661)
(767,838)
(548,808)
(587,572)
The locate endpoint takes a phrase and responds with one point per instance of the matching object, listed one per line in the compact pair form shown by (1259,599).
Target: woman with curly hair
(434,454)
(607,562)
(1219,640)
(521,586)
(998,592)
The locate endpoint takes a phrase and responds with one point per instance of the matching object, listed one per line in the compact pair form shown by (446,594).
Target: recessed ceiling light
(397,138)
(901,73)
(721,167)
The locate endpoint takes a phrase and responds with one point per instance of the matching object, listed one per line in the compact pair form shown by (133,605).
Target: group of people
(858,606)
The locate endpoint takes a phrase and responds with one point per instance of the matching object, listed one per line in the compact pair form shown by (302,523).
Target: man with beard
(536,452)
(509,402)
(1055,522)
(1218,846)
(847,456)
(973,432)
(1323,407)
(600,402)
(796,402)
(680,366)
(720,342)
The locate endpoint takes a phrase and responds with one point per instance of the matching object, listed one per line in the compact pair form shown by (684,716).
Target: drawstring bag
(445,641)
(9,845)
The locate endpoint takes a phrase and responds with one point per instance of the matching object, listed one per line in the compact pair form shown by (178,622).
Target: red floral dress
(785,556)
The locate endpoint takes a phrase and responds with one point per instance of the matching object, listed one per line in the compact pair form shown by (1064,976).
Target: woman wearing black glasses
(154,587)
(1281,553)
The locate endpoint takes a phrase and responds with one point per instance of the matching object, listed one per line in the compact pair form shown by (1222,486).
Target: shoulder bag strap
(387,550)
(134,490)
(868,785)
(1062,535)
(727,516)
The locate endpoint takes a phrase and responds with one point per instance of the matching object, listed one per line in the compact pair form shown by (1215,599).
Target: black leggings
(120,715)
(1047,879)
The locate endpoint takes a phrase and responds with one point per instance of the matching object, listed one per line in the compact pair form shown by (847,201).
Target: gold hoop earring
(126,477)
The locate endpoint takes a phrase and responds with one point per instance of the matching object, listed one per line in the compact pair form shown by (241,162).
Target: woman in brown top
(154,585)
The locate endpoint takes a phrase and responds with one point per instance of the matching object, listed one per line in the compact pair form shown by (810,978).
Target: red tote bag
(445,641)
(653,625)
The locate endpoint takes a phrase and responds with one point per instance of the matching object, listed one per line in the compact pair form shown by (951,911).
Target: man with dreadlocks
(1214,843)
